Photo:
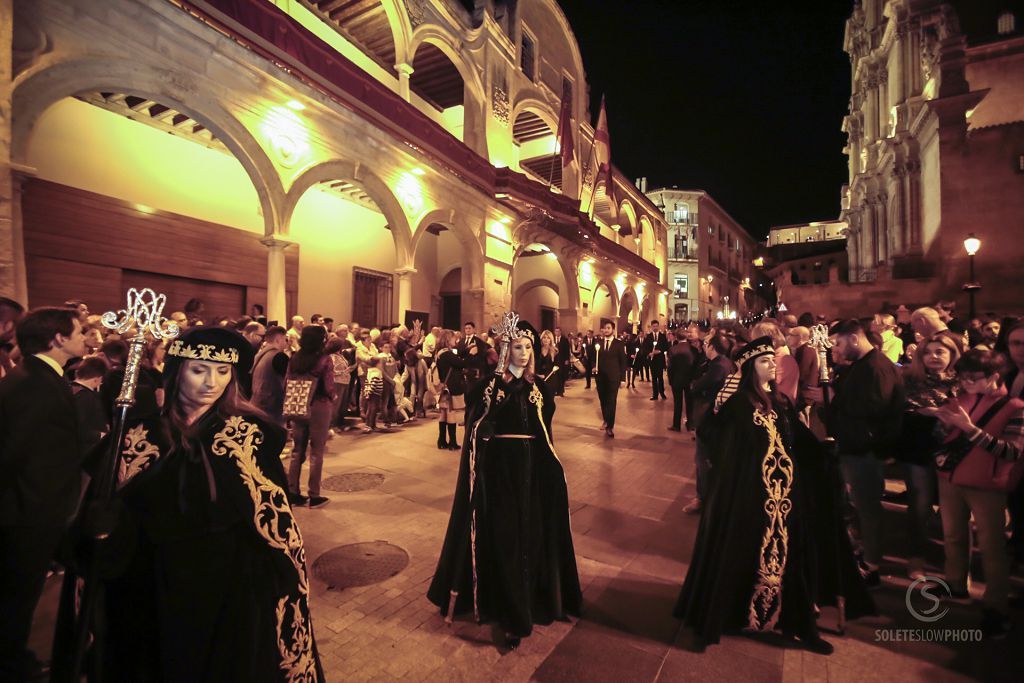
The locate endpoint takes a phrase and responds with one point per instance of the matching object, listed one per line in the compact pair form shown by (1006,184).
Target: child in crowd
(373,393)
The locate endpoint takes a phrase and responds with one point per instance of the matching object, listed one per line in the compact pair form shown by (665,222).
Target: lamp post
(972,245)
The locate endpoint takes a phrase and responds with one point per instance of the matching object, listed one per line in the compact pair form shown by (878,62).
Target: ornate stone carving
(929,53)
(499,104)
(417,11)
(28,45)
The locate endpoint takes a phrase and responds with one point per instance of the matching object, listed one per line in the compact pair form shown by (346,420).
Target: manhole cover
(359,564)
(353,481)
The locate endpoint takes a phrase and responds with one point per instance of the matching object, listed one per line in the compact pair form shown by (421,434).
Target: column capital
(405,271)
(404,68)
(275,242)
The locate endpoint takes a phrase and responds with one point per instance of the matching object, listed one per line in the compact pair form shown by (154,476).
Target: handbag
(983,470)
(298,397)
(953,452)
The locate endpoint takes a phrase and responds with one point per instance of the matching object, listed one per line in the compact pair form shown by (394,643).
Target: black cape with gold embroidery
(766,552)
(508,551)
(206,578)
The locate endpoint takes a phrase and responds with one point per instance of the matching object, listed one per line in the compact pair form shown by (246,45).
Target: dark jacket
(92,416)
(680,365)
(40,453)
(613,362)
(706,387)
(866,414)
(562,351)
(652,344)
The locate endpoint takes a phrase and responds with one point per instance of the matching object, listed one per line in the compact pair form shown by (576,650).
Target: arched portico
(36,91)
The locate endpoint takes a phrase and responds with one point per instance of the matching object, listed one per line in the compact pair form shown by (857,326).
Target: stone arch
(401,29)
(566,265)
(629,300)
(534,283)
(612,289)
(448,43)
(533,102)
(36,91)
(471,248)
(648,242)
(372,184)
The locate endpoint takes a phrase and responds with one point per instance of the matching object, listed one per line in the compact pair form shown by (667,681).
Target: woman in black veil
(508,556)
(755,564)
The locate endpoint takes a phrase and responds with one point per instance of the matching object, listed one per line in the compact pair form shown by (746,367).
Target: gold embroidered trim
(472,485)
(777,478)
(207,352)
(272,517)
(138,454)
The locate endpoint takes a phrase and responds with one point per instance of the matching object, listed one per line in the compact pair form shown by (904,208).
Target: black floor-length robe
(767,550)
(205,576)
(508,551)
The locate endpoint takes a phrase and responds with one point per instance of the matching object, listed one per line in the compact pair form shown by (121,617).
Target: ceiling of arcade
(364,22)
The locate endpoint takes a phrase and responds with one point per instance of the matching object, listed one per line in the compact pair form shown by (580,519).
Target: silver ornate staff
(821,343)
(143,316)
(506,330)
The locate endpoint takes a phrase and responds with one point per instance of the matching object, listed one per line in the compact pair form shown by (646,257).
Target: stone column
(277,291)
(18,238)
(8,256)
(404,291)
(404,72)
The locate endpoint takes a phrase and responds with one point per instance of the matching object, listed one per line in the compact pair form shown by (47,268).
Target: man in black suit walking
(610,369)
(654,349)
(561,360)
(40,473)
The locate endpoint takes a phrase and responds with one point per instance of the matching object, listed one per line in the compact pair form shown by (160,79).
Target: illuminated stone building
(709,257)
(936,152)
(363,160)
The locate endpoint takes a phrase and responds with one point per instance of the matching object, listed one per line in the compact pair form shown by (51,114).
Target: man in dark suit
(680,373)
(654,349)
(610,369)
(561,360)
(40,473)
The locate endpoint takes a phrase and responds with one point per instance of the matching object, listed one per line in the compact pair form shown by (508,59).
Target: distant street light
(972,245)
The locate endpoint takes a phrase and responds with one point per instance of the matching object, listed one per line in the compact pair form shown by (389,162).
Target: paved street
(632,544)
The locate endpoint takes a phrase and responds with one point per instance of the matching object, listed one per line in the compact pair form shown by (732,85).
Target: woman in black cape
(756,562)
(205,574)
(508,556)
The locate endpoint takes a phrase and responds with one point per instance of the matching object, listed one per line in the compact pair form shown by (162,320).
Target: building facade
(709,258)
(936,149)
(376,161)
(803,254)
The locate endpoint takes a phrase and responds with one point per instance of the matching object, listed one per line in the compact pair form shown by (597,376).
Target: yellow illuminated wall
(334,235)
(83,146)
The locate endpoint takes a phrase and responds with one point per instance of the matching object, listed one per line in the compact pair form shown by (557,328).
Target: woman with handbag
(310,363)
(929,381)
(451,394)
(980,464)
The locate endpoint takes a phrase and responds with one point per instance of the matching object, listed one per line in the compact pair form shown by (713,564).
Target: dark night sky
(743,99)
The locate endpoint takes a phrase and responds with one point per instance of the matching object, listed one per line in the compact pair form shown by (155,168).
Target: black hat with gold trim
(529,331)
(211,345)
(762,346)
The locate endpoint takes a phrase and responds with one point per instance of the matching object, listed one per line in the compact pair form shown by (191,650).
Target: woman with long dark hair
(311,362)
(209,571)
(451,390)
(755,564)
(508,556)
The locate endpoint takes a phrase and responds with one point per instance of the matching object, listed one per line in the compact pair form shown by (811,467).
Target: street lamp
(972,245)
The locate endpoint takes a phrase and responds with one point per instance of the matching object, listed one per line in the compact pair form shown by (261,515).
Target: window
(680,245)
(681,213)
(528,57)
(372,297)
(1006,23)
(681,287)
(682,313)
